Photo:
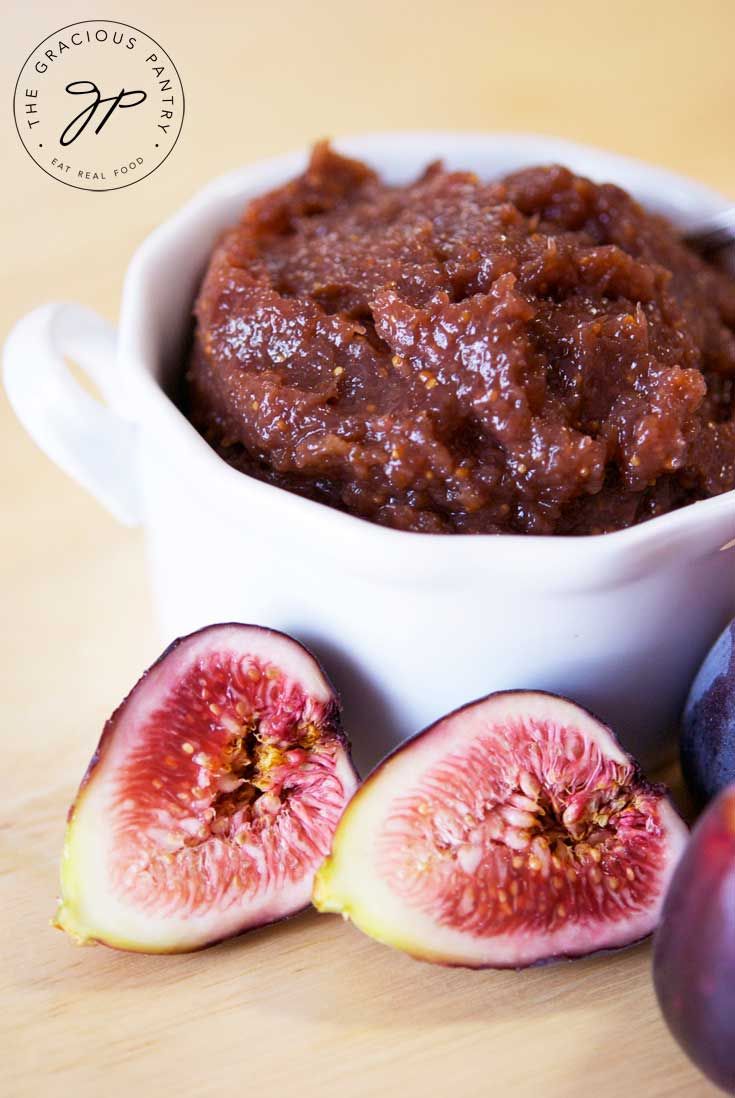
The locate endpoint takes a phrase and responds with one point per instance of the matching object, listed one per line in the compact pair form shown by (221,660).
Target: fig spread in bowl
(535,354)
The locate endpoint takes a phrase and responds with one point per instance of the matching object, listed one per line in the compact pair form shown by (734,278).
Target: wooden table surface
(310,1008)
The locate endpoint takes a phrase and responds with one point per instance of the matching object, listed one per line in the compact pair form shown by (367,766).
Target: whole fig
(694,946)
(708,725)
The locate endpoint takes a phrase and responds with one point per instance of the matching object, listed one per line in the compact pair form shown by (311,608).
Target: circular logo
(98,105)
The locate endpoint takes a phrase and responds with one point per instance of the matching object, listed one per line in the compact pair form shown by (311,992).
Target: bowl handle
(85,437)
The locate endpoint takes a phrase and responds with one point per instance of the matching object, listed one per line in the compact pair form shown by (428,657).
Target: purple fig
(708,725)
(694,946)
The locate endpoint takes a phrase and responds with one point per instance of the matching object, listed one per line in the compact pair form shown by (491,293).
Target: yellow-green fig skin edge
(331,895)
(68,916)
(327,901)
(328,897)
(68,913)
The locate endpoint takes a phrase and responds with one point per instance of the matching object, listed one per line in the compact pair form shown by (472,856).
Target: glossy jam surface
(532,355)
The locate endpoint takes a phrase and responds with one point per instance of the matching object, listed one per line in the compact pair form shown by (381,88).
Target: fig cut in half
(211,799)
(514,831)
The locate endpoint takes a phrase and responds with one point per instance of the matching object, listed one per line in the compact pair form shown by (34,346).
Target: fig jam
(533,355)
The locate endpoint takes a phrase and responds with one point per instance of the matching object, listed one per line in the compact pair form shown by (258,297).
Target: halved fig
(694,946)
(514,831)
(211,799)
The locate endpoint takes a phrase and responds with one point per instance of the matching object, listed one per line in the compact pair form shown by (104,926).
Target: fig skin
(708,723)
(78,884)
(694,946)
(349,883)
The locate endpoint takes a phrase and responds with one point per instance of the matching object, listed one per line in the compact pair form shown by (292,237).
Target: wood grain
(309,1008)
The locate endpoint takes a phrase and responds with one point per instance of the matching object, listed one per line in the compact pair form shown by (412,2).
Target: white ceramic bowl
(408,625)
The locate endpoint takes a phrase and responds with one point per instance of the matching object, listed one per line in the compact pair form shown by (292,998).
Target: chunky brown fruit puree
(536,355)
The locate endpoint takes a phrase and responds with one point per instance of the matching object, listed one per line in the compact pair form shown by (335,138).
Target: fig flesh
(211,799)
(694,946)
(708,725)
(513,831)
